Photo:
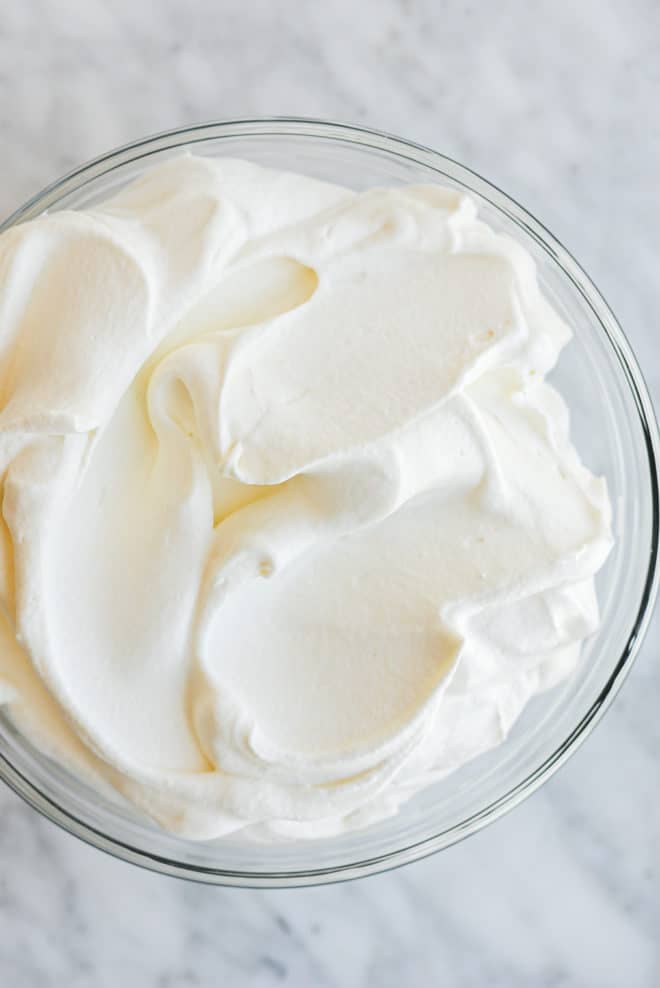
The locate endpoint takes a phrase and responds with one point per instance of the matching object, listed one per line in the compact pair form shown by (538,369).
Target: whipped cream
(291,521)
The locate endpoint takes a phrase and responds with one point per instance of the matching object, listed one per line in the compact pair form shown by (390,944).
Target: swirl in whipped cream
(291,520)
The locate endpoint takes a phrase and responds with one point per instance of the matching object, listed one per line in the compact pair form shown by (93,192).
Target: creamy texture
(291,521)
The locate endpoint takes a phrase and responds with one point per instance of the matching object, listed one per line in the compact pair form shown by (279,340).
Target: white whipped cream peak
(291,520)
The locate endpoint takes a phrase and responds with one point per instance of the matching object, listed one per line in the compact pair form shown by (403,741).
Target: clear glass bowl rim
(302,127)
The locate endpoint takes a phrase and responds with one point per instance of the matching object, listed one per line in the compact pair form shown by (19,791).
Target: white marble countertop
(558,103)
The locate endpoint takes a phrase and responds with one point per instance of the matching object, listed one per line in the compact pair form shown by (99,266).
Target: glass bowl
(614,429)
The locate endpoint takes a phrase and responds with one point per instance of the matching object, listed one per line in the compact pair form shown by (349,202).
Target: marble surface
(558,103)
